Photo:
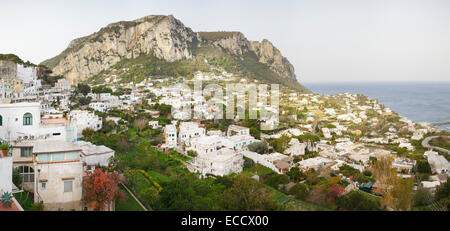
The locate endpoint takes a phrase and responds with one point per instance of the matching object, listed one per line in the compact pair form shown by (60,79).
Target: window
(1,120)
(26,152)
(27,173)
(27,119)
(68,186)
(43,185)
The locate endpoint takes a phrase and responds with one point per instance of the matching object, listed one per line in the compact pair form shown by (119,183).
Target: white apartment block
(188,131)
(85,119)
(170,135)
(221,162)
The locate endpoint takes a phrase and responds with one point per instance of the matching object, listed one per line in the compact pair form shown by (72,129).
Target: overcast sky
(325,40)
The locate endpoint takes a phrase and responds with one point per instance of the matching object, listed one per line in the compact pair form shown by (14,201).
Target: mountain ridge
(166,38)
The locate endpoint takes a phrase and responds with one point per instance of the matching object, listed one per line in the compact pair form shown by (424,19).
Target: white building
(58,175)
(220,162)
(93,155)
(278,162)
(316,163)
(437,162)
(188,131)
(100,106)
(20,119)
(170,135)
(85,119)
(237,130)
(295,148)
(6,165)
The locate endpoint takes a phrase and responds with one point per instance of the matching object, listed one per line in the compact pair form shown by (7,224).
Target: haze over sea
(418,101)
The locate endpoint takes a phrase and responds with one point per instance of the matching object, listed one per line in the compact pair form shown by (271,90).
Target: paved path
(425,143)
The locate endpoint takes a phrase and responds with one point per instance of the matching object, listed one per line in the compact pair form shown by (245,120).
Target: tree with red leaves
(334,191)
(101,188)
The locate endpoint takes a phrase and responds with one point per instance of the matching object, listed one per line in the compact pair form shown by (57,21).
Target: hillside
(162,46)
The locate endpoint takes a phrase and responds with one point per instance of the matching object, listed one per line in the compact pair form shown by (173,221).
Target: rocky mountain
(168,40)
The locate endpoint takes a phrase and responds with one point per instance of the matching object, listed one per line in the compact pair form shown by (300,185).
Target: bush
(443,194)
(274,180)
(422,197)
(259,147)
(423,166)
(299,191)
(248,163)
(367,173)
(192,153)
(36,207)
(357,201)
(16,177)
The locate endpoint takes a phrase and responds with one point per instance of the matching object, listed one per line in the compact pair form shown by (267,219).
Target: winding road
(425,143)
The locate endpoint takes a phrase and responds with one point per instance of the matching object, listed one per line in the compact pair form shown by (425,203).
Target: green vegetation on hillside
(217,35)
(15,59)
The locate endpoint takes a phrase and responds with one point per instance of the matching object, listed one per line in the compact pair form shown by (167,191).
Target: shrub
(259,147)
(274,180)
(423,166)
(37,207)
(422,197)
(299,191)
(357,201)
(367,173)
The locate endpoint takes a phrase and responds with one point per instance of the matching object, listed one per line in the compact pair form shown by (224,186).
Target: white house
(100,106)
(170,134)
(93,155)
(190,130)
(220,162)
(6,164)
(85,119)
(58,175)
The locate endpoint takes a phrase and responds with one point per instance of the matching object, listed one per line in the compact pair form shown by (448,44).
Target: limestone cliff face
(164,36)
(270,55)
(237,44)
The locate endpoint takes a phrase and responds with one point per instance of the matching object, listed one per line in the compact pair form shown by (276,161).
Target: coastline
(417,101)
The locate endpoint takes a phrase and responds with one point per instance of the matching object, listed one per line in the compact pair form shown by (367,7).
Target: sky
(325,40)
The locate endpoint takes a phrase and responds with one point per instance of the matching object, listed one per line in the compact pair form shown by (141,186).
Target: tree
(84,100)
(148,196)
(335,191)
(385,177)
(88,133)
(16,177)
(402,193)
(357,201)
(140,123)
(247,194)
(100,188)
(422,197)
(295,174)
(443,194)
(259,147)
(248,163)
(190,194)
(423,166)
(299,191)
(83,89)
(274,180)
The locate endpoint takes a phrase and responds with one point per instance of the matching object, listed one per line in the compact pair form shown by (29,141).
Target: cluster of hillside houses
(43,142)
(51,161)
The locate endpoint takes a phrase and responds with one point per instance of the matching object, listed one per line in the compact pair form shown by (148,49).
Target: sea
(418,101)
